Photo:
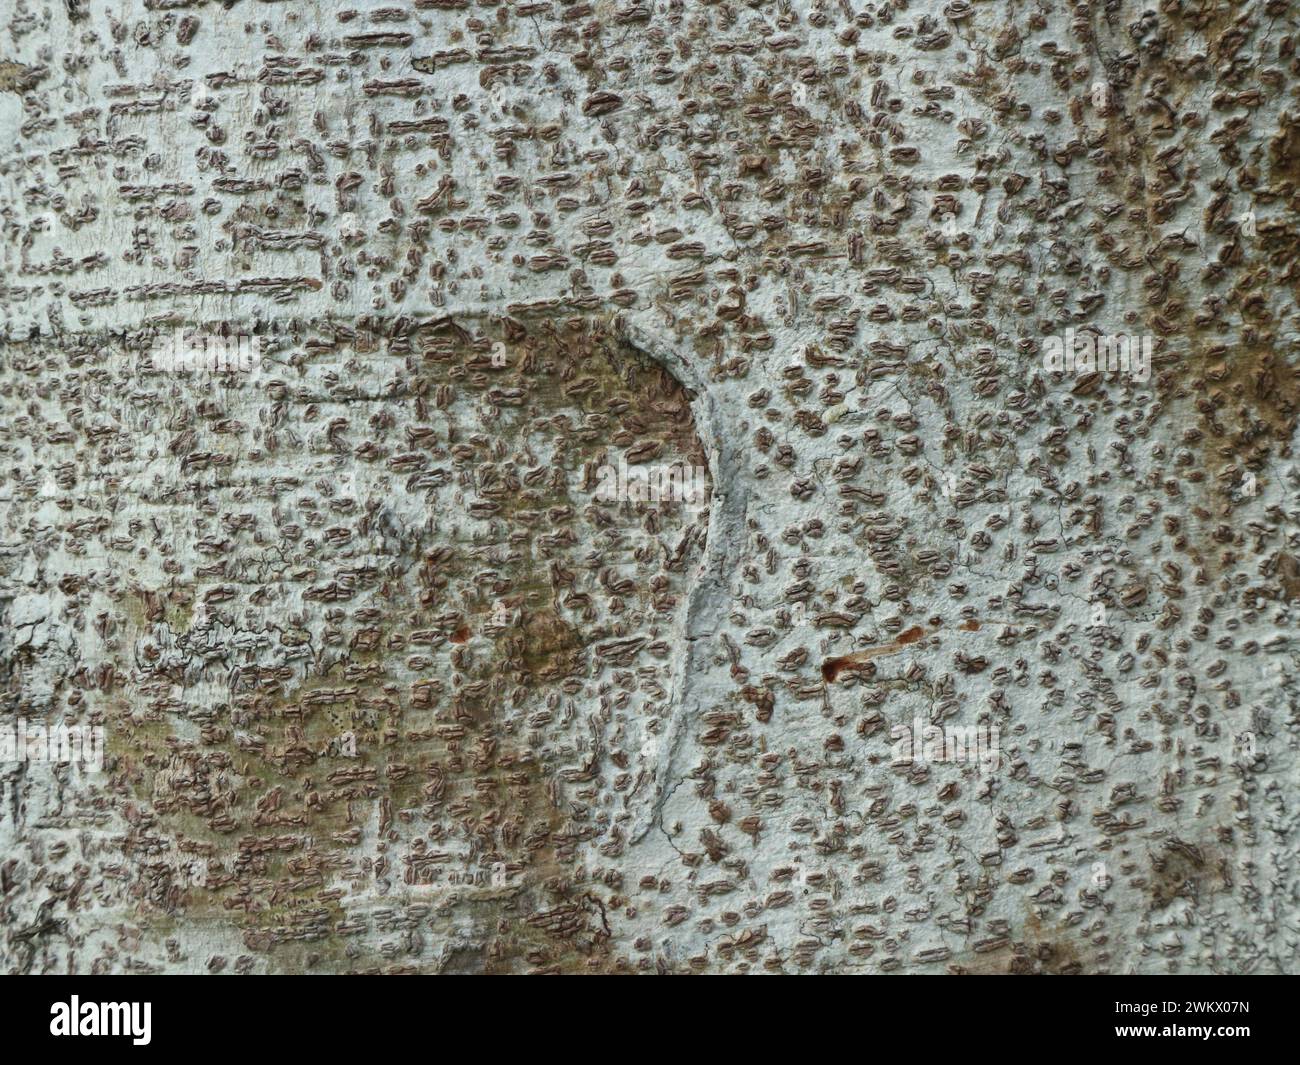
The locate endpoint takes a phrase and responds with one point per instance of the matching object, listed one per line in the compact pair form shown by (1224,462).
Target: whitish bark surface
(387,685)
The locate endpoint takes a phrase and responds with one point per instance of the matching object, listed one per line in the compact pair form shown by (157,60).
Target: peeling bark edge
(725,541)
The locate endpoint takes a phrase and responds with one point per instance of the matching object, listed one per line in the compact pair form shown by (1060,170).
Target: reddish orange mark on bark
(859,661)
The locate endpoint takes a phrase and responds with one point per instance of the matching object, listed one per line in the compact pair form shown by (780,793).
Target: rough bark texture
(385,688)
